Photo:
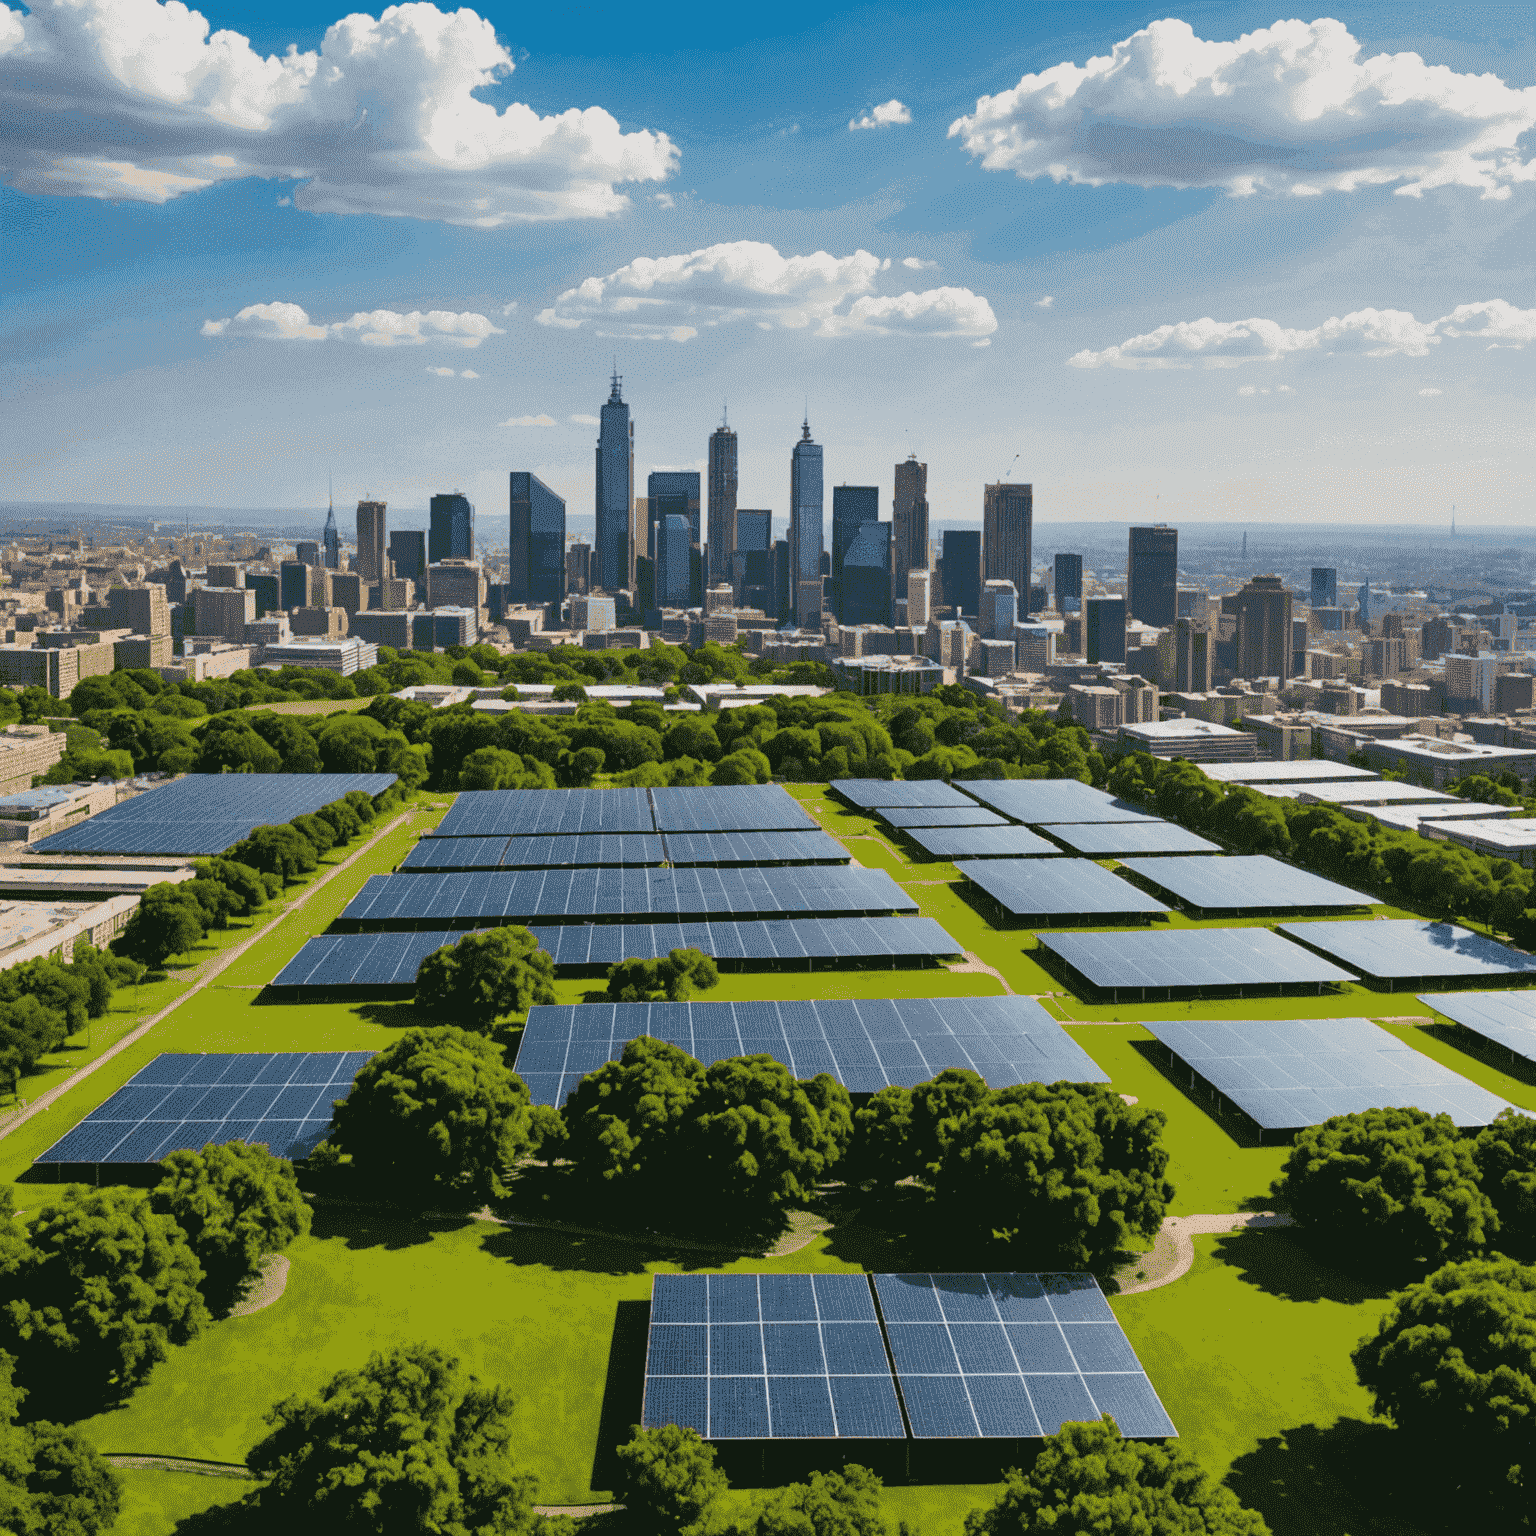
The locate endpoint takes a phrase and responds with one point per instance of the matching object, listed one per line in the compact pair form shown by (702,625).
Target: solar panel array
(605,849)
(1117,839)
(205,813)
(1004,842)
(467,899)
(724,848)
(1506,1018)
(181,1103)
(1175,958)
(872,794)
(942,816)
(1284,1073)
(1047,888)
(547,813)
(362,959)
(1038,802)
(780,1357)
(1243,883)
(866,1044)
(1012,1356)
(1405,949)
(730,808)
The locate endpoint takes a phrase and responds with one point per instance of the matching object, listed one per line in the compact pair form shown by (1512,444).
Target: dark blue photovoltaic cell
(1038,802)
(183,1102)
(362,959)
(723,848)
(547,812)
(866,1044)
(1004,842)
(1114,839)
(564,852)
(969,1366)
(1404,949)
(783,939)
(1058,888)
(942,816)
(730,808)
(1177,958)
(205,813)
(1285,1073)
(1506,1018)
(1239,883)
(872,794)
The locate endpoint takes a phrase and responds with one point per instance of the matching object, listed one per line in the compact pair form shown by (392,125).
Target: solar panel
(577,895)
(206,813)
(1043,801)
(1506,1018)
(768,1357)
(1285,1073)
(362,959)
(730,808)
(1005,1356)
(865,1044)
(1189,959)
(600,849)
(1243,883)
(1003,842)
(1047,888)
(942,816)
(725,848)
(1116,839)
(870,794)
(1406,949)
(182,1102)
(547,813)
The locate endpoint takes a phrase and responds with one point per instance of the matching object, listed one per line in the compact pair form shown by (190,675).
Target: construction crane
(1009,470)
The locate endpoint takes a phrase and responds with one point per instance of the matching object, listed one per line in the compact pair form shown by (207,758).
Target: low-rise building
(30,815)
(345,656)
(26,751)
(1501,838)
(1436,762)
(1200,741)
(885,674)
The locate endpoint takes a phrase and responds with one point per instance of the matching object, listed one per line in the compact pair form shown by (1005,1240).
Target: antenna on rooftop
(1009,470)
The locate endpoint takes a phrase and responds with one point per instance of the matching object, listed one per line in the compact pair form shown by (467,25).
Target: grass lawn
(154,1501)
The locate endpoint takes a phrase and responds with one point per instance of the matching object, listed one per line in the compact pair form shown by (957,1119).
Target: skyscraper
(1069,583)
(722,502)
(536,546)
(805,526)
(671,493)
(999,610)
(753,529)
(1325,586)
(852,507)
(331,540)
(1152,575)
(451,534)
(960,570)
(1007,535)
(1263,609)
(1104,628)
(673,546)
(408,553)
(865,572)
(370,540)
(909,515)
(615,490)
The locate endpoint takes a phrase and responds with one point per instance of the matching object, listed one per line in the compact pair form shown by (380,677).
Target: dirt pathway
(207,972)
(973,962)
(1173,1254)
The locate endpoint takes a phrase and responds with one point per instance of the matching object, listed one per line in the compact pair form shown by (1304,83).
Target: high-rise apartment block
(578,567)
(1325,586)
(671,561)
(222,611)
(1263,610)
(408,554)
(144,610)
(722,503)
(960,570)
(1007,536)
(852,507)
(302,586)
(1069,583)
(909,516)
(307,552)
(1152,575)
(615,492)
(451,533)
(536,542)
(370,541)
(805,528)
(457,584)
(1191,658)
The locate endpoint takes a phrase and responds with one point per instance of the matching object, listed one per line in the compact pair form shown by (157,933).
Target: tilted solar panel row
(789,938)
(877,794)
(362,959)
(547,813)
(942,816)
(1004,842)
(1038,802)
(595,850)
(1404,949)
(1246,882)
(1190,958)
(725,848)
(1506,1018)
(1058,888)
(730,808)
(1113,839)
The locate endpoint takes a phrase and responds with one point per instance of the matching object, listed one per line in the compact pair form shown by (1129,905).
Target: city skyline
(1153,332)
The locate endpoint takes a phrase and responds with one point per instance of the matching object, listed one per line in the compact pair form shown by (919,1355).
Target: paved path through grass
(211,969)
(1173,1254)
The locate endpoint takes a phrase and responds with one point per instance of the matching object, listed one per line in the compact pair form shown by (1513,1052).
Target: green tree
(1387,1189)
(668,1482)
(675,977)
(288,737)
(316,831)
(237,1204)
(1071,1171)
(166,922)
(229,745)
(493,768)
(1453,1365)
(59,988)
(743,765)
(902,1133)
(1505,1155)
(96,1294)
(435,1114)
(349,743)
(576,770)
(36,703)
(569,693)
(486,976)
(244,884)
(1087,1481)
(827,1504)
(409,1443)
(283,851)
(28,1032)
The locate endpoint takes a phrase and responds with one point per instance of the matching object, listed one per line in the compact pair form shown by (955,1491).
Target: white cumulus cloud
(587,421)
(887,115)
(135,100)
(1044,303)
(918,263)
(469,373)
(441,373)
(371,327)
(1211,343)
(541,420)
(1291,108)
(670,298)
(1427,392)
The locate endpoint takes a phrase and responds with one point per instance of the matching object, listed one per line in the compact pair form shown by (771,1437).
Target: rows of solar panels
(867,1044)
(205,813)
(182,1102)
(392,959)
(1505,1018)
(624,850)
(943,1357)
(578,812)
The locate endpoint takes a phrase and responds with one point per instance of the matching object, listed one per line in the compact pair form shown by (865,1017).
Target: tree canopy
(674,977)
(1505,1154)
(826,1504)
(668,1482)
(484,977)
(903,1133)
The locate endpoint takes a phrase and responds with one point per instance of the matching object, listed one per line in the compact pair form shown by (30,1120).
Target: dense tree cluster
(485,977)
(673,978)
(741,1137)
(1453,1365)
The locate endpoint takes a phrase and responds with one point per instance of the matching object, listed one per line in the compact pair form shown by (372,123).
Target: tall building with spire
(909,514)
(720,529)
(805,527)
(330,540)
(615,490)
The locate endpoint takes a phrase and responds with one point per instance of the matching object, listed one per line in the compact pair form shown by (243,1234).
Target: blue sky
(1288,267)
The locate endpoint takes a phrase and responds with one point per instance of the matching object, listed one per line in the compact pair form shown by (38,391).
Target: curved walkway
(212,968)
(1173,1254)
(232,1469)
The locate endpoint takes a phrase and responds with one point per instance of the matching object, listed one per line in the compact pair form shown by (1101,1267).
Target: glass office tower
(537,541)
(852,507)
(1152,575)
(805,527)
(960,570)
(865,591)
(451,535)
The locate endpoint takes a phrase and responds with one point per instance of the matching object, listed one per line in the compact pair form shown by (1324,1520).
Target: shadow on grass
(623,1391)
(238,1519)
(1496,1057)
(397,1015)
(1281,1262)
(1351,1479)
(379,1226)
(1236,1124)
